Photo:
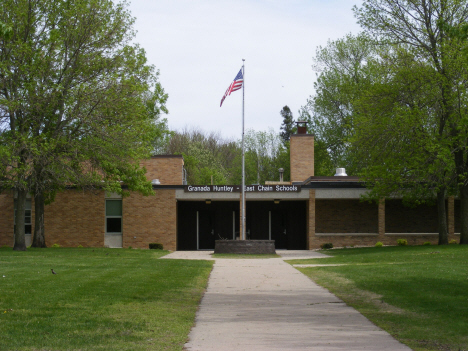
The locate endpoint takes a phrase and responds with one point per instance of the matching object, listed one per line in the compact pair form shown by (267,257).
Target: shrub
(325,246)
(453,241)
(378,244)
(402,242)
(156,246)
(80,246)
(129,247)
(427,243)
(56,245)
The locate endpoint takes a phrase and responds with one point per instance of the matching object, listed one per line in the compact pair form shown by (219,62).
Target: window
(114,216)
(27,217)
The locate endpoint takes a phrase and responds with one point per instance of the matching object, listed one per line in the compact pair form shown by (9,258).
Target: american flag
(235,85)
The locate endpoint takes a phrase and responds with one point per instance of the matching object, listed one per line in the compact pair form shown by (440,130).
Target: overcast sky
(198,47)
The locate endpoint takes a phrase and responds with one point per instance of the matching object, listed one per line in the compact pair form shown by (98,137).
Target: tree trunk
(442,217)
(20,243)
(463,213)
(39,233)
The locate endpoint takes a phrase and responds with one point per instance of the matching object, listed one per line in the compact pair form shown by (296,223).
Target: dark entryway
(284,222)
(200,223)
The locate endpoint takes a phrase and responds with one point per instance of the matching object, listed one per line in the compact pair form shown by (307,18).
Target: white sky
(198,47)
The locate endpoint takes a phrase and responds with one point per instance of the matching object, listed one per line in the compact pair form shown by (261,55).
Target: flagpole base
(245,246)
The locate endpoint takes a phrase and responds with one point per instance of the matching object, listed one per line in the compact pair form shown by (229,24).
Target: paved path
(266,304)
(206,254)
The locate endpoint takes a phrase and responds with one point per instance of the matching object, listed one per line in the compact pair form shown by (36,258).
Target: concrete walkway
(266,304)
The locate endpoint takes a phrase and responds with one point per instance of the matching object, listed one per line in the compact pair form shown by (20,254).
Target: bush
(378,244)
(155,246)
(427,243)
(80,246)
(56,245)
(453,241)
(402,242)
(325,246)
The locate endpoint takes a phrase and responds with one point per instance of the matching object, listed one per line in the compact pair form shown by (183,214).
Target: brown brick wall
(150,219)
(76,218)
(406,220)
(345,216)
(346,240)
(168,169)
(6,218)
(302,157)
(403,219)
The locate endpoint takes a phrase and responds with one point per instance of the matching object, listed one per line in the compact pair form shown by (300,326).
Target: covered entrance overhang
(203,218)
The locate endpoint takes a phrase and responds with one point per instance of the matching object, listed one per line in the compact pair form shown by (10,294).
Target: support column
(311,220)
(382,219)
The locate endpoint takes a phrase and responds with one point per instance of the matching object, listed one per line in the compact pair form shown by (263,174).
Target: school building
(301,214)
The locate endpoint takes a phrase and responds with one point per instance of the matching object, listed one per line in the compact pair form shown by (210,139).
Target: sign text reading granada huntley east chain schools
(237,188)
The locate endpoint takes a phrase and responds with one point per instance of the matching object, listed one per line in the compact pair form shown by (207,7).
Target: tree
(5,31)
(72,95)
(287,126)
(396,142)
(323,164)
(416,24)
(206,155)
(342,77)
(375,111)
(265,153)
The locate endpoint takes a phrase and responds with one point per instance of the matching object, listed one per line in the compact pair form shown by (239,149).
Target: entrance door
(206,230)
(279,227)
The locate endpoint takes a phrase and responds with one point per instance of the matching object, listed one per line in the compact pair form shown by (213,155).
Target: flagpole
(243,157)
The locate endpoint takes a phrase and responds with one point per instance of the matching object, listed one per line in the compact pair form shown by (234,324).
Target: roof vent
(341,172)
(155,182)
(281,172)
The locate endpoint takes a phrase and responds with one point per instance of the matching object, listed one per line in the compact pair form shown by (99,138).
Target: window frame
(112,216)
(27,209)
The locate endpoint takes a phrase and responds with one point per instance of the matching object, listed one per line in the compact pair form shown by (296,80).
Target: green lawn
(100,299)
(419,294)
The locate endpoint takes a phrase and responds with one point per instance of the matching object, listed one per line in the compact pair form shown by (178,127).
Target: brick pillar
(311,220)
(451,216)
(301,157)
(381,219)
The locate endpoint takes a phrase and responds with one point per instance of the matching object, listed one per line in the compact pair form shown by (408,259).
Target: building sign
(237,188)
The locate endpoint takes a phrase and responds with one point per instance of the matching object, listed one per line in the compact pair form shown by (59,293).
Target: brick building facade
(302,214)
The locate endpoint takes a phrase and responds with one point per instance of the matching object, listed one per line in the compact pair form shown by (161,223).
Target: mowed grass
(419,294)
(100,299)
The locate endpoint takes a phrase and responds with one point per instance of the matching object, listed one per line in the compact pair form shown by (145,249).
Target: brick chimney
(301,153)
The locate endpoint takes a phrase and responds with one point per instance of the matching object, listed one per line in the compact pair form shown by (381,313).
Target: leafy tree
(205,155)
(287,126)
(265,153)
(5,31)
(323,164)
(342,77)
(416,24)
(376,112)
(397,143)
(72,96)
